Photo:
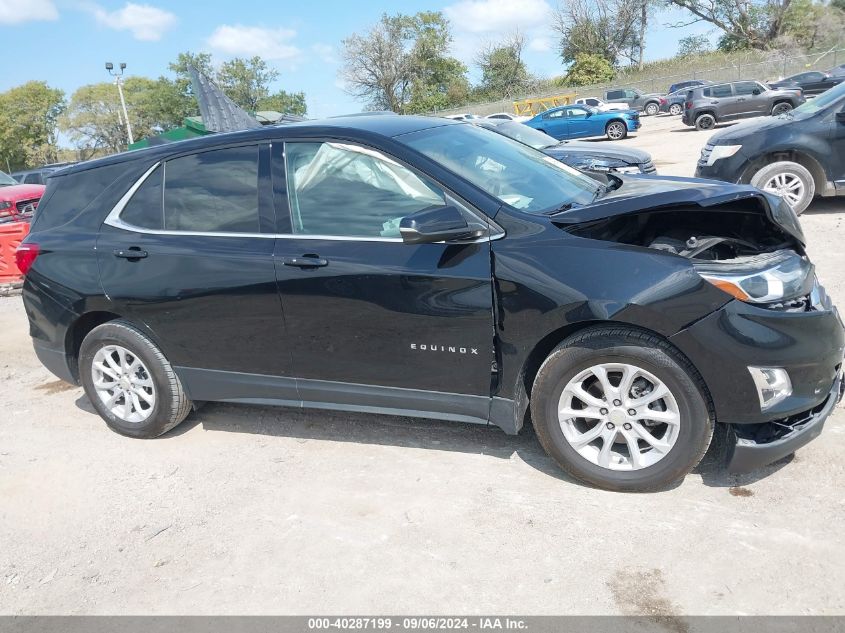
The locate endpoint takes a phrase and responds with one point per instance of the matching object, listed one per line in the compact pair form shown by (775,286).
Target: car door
(375,321)
(814,83)
(747,100)
(837,146)
(634,99)
(579,123)
(555,123)
(722,98)
(188,253)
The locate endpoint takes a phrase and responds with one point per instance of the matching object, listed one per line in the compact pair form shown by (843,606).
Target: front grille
(26,208)
(648,167)
(705,154)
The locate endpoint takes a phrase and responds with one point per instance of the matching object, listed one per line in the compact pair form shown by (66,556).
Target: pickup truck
(646,103)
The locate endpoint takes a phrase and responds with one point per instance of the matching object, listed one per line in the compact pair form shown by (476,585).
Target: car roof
(361,127)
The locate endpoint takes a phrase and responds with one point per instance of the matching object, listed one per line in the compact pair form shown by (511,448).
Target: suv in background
(708,105)
(38,176)
(636,100)
(692,83)
(796,156)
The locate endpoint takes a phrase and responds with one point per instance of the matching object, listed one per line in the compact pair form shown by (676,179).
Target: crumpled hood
(630,155)
(638,193)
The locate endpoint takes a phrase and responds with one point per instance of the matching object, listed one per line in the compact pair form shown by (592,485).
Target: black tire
(611,344)
(705,121)
(790,170)
(171,404)
(651,109)
(675,109)
(781,107)
(616,130)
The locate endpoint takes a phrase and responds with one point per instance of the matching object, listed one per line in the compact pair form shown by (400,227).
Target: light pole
(118,81)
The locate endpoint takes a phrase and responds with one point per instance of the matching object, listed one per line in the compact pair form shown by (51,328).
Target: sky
(67,42)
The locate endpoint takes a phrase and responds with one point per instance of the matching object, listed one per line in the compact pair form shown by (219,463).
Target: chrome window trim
(114,220)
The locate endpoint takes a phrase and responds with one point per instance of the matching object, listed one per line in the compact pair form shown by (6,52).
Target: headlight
(722,151)
(5,204)
(765,278)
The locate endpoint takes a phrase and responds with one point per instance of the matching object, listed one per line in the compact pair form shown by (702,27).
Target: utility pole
(118,81)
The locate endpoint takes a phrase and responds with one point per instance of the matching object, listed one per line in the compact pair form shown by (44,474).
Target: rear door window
(721,91)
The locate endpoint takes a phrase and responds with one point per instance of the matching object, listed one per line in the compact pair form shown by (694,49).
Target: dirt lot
(264,510)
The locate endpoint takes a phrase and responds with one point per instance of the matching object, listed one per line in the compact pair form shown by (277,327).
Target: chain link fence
(760,65)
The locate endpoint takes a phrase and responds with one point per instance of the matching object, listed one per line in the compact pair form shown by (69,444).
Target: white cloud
(540,44)
(254,40)
(18,11)
(145,22)
(325,52)
(491,16)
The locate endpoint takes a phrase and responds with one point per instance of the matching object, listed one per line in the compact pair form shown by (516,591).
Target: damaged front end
(772,359)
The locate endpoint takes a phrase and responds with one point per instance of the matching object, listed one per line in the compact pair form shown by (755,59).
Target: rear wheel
(791,181)
(621,409)
(129,381)
(616,130)
(675,109)
(781,108)
(705,122)
(651,109)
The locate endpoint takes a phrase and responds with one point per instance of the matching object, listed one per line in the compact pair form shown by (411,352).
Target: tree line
(32,115)
(403,63)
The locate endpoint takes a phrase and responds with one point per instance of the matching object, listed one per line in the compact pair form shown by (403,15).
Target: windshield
(812,106)
(5,180)
(514,173)
(525,134)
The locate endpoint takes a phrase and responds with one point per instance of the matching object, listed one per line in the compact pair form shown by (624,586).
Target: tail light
(25,256)
(662,101)
(688,105)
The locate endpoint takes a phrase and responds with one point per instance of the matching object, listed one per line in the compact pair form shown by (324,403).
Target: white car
(506,116)
(594,102)
(465,116)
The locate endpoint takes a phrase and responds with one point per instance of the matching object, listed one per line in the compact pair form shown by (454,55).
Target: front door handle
(133,252)
(306,261)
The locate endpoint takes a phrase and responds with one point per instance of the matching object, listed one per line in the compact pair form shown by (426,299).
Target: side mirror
(840,117)
(435,225)
(756,91)
(589,113)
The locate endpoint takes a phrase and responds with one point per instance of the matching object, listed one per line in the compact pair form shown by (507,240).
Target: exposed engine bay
(713,234)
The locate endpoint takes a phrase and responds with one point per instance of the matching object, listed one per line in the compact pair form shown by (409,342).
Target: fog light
(773,385)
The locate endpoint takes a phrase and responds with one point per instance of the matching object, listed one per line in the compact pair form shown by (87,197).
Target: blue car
(577,121)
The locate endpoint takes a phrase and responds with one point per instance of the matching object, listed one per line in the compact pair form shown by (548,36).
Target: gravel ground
(267,510)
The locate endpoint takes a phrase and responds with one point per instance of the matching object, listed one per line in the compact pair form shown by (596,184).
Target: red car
(17,202)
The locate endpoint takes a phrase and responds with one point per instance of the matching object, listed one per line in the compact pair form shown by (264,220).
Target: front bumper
(633,124)
(754,446)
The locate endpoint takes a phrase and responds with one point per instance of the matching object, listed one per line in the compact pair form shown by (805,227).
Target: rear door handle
(133,252)
(306,261)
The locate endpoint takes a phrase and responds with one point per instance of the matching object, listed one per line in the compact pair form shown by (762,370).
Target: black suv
(425,267)
(798,155)
(708,105)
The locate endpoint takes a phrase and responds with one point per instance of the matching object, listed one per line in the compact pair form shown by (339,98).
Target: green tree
(284,102)
(246,81)
(608,28)
(503,72)
(693,45)
(402,64)
(747,24)
(28,124)
(588,70)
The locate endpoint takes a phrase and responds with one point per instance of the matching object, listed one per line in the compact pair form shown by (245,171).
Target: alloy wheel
(781,108)
(788,186)
(123,384)
(615,131)
(674,109)
(619,416)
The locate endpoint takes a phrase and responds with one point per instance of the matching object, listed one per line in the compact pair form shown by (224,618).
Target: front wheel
(675,109)
(781,108)
(129,381)
(616,131)
(621,409)
(791,181)
(651,109)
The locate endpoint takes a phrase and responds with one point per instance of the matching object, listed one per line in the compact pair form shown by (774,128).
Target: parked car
(673,103)
(466,116)
(837,71)
(706,106)
(648,103)
(412,266)
(37,176)
(17,201)
(598,104)
(586,156)
(686,85)
(797,156)
(507,116)
(576,121)
(810,83)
